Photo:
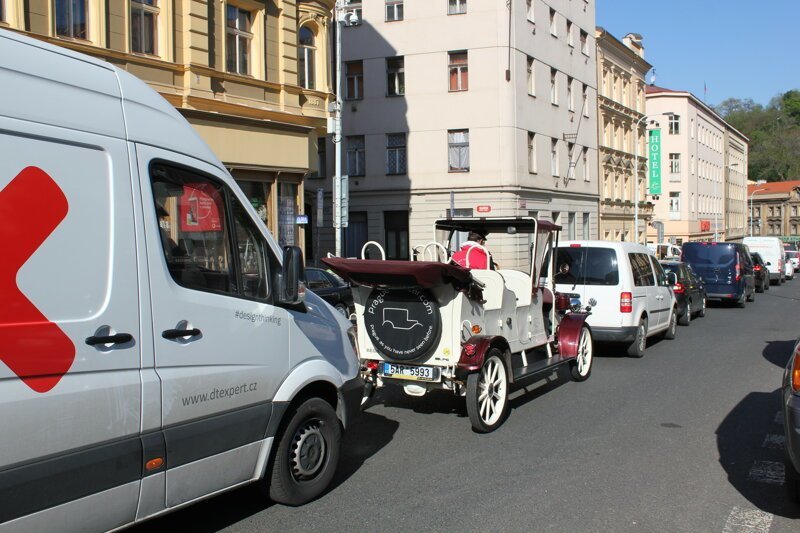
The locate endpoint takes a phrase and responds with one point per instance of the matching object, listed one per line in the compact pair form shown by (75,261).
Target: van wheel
(307,454)
(686,318)
(581,368)
(760,287)
(636,349)
(487,394)
(672,329)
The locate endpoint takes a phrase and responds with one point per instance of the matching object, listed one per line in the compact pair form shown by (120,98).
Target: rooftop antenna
(653,77)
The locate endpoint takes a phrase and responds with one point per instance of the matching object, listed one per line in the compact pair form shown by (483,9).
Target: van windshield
(709,254)
(586,266)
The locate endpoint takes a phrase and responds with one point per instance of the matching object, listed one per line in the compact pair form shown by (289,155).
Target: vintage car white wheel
(582,366)
(487,394)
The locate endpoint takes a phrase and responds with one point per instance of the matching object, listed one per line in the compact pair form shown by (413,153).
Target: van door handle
(180,333)
(119,338)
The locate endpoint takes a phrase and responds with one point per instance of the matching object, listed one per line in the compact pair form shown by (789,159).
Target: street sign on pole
(654,156)
(320,207)
(344,195)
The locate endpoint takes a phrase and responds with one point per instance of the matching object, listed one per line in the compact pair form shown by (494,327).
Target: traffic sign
(344,191)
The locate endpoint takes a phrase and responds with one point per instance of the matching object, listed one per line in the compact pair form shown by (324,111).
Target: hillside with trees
(774,132)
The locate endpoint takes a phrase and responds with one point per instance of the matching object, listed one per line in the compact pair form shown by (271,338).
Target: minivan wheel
(306,454)
(487,394)
(672,329)
(636,349)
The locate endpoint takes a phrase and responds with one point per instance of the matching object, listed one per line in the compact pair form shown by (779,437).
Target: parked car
(788,267)
(794,257)
(689,290)
(760,272)
(332,289)
(158,347)
(626,287)
(791,423)
(771,250)
(726,269)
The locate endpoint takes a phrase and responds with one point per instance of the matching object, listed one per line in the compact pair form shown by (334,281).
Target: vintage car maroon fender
(569,334)
(474,351)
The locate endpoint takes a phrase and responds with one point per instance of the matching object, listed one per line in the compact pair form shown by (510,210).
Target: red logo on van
(34,348)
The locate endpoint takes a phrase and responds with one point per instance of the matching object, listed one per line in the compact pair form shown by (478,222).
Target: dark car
(726,269)
(690,291)
(332,289)
(791,422)
(760,272)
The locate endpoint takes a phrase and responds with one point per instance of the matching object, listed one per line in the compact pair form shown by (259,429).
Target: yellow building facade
(252,77)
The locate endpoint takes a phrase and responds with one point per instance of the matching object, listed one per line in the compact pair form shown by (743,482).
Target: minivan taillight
(738,271)
(626,302)
(796,370)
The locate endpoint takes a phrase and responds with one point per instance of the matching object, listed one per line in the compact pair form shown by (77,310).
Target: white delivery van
(629,292)
(155,347)
(665,250)
(771,251)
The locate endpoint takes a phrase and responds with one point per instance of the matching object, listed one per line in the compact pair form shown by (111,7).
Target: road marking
(747,521)
(779,417)
(774,441)
(766,472)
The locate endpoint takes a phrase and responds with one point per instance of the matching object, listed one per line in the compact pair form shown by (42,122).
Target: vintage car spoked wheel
(581,368)
(307,453)
(487,394)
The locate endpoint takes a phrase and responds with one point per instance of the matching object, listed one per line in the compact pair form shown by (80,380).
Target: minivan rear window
(709,254)
(586,266)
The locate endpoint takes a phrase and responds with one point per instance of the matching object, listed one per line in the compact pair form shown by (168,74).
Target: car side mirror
(291,290)
(768,263)
(672,278)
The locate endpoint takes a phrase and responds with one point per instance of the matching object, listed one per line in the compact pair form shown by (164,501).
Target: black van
(726,269)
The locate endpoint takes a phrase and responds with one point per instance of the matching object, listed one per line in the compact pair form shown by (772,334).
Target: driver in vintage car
(479,256)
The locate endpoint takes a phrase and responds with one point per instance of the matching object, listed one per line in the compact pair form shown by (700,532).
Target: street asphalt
(687,438)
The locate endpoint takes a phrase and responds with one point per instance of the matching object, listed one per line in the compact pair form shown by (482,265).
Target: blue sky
(739,48)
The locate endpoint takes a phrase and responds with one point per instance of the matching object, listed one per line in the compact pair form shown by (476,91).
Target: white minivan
(626,287)
(771,251)
(156,347)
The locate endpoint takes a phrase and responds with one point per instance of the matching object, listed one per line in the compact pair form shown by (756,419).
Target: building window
(356,155)
(354,74)
(396,153)
(306,52)
(584,42)
(586,222)
(553,26)
(572,228)
(586,164)
(585,100)
(395,224)
(674,205)
(674,125)
(570,38)
(394,10)
(530,12)
(554,157)
(354,6)
(570,97)
(456,7)
(459,71)
(531,77)
(71,19)
(238,38)
(674,163)
(531,152)
(691,128)
(395,76)
(458,150)
(144,17)
(322,159)
(553,86)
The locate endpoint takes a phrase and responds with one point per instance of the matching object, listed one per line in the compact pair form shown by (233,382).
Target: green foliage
(774,132)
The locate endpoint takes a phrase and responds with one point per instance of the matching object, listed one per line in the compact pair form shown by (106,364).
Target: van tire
(672,329)
(314,429)
(637,347)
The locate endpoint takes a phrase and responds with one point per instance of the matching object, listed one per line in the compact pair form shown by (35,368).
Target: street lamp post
(760,182)
(636,171)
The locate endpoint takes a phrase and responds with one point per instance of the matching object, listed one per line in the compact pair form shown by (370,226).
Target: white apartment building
(621,69)
(697,154)
(496,105)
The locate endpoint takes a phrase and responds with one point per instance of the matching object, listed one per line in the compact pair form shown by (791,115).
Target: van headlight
(351,334)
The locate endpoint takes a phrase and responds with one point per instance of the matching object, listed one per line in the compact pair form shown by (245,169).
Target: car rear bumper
(621,334)
(791,420)
(724,295)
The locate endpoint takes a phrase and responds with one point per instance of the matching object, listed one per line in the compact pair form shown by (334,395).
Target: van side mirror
(291,289)
(672,278)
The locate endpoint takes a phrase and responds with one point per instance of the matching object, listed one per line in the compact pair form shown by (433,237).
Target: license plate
(411,373)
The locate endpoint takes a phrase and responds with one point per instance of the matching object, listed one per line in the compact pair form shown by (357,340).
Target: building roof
(652,89)
(775,187)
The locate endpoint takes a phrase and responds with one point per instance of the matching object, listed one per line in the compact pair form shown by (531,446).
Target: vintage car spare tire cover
(402,324)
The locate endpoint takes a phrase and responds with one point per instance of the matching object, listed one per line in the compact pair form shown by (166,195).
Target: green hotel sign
(654,155)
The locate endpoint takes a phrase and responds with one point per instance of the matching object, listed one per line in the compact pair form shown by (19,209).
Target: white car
(155,342)
(789,267)
(794,257)
(626,287)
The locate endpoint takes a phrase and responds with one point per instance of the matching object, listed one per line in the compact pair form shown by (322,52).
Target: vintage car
(432,324)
